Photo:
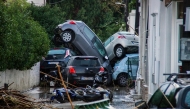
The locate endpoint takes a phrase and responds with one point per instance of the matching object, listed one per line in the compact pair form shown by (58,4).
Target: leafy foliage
(48,17)
(23,40)
(100,15)
(132,5)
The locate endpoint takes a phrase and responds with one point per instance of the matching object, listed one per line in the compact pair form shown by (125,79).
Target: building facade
(161,32)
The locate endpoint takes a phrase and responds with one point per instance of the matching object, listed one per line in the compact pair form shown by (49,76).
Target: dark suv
(82,70)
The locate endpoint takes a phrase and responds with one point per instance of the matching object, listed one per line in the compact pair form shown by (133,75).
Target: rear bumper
(73,79)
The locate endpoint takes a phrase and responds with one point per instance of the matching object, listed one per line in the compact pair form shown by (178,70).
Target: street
(122,98)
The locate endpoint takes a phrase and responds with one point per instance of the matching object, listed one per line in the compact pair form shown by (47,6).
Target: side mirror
(141,105)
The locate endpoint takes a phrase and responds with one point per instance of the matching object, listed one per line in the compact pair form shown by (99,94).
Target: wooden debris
(11,99)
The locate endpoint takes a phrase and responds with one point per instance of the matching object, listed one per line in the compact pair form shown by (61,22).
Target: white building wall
(154,45)
(22,80)
(163,43)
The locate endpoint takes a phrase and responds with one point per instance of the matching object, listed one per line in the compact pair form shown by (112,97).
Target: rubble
(12,99)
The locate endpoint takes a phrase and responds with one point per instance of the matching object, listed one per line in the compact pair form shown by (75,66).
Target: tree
(97,14)
(47,16)
(23,40)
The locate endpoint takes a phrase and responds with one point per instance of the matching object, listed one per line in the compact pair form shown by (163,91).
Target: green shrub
(23,40)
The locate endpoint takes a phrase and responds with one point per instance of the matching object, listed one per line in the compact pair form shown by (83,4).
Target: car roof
(124,33)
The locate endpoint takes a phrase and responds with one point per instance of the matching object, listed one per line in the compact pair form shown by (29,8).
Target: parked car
(120,43)
(126,69)
(81,70)
(175,93)
(55,56)
(78,36)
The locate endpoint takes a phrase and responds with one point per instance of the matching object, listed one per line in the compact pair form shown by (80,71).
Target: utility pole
(126,14)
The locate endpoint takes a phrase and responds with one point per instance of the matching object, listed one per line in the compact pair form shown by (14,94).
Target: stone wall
(23,80)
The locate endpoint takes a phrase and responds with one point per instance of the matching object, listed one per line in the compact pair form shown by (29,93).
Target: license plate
(87,78)
(53,62)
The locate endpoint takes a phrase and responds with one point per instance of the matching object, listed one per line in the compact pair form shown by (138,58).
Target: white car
(120,43)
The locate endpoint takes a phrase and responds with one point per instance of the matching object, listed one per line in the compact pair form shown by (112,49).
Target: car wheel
(119,51)
(67,36)
(122,80)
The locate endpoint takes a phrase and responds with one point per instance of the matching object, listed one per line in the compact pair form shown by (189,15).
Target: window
(98,44)
(86,62)
(107,42)
(56,52)
(89,33)
(133,60)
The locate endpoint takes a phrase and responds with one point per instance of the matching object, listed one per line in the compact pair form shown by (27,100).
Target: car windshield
(97,43)
(56,51)
(100,47)
(86,62)
(56,54)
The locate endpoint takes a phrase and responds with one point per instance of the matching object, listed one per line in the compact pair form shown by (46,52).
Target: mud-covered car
(77,36)
(175,93)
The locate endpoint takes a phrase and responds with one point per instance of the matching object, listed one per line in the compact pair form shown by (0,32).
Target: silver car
(77,36)
(120,43)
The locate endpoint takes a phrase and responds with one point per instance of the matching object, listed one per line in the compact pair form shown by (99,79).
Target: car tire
(119,51)
(67,36)
(57,41)
(122,80)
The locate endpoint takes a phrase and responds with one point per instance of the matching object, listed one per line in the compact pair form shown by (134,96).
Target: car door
(134,65)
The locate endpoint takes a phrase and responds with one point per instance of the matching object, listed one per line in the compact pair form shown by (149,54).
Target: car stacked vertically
(78,36)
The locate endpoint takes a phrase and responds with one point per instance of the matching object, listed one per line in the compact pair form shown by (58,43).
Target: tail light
(72,22)
(101,69)
(72,70)
(122,37)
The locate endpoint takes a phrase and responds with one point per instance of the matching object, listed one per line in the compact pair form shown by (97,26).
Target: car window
(86,62)
(55,54)
(157,96)
(133,60)
(89,33)
(98,44)
(112,38)
(51,52)
(107,42)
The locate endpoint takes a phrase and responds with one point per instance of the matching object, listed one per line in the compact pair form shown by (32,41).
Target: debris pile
(12,99)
